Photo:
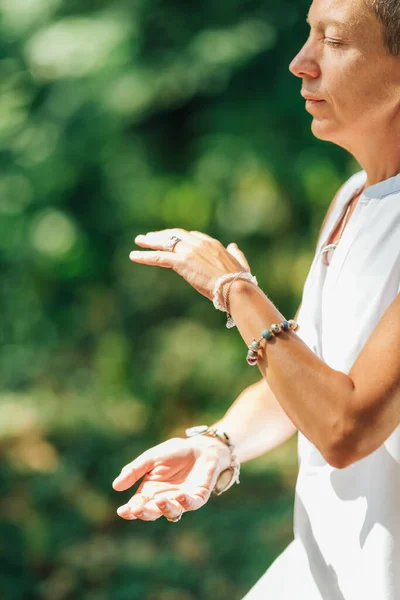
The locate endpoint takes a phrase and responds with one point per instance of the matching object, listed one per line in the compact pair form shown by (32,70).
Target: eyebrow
(323,24)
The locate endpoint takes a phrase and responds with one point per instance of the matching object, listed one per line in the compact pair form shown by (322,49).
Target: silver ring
(172,242)
(177,518)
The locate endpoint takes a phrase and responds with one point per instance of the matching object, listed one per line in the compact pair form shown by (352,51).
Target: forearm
(315,397)
(256,422)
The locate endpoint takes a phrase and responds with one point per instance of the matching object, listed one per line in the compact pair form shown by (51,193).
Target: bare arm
(181,473)
(256,421)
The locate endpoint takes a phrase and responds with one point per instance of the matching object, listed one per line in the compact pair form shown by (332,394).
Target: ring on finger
(178,518)
(172,242)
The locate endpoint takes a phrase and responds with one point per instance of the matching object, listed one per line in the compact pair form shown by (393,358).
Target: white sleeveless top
(346,521)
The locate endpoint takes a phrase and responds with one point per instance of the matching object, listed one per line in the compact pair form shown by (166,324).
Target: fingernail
(139,237)
(181,499)
(133,254)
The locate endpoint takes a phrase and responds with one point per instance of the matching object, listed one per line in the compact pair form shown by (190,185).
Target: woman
(335,376)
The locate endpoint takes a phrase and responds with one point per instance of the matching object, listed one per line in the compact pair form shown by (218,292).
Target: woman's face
(345,65)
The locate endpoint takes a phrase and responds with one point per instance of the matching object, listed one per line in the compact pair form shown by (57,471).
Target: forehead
(353,14)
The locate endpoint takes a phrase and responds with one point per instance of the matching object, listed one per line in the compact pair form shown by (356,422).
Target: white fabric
(346,521)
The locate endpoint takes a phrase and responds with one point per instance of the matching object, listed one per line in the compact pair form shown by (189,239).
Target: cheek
(362,97)
(353,90)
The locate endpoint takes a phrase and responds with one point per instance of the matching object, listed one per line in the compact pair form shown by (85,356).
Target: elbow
(342,445)
(346,450)
(340,459)
(343,448)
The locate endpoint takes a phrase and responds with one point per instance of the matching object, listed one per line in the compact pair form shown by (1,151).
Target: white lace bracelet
(219,284)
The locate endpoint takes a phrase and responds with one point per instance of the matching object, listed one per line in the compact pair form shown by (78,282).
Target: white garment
(346,521)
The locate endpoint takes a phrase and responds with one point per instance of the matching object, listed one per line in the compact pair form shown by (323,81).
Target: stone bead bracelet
(267,334)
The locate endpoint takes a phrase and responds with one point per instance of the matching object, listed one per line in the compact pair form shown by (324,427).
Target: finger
(132,509)
(140,507)
(158,239)
(193,501)
(157,243)
(125,512)
(170,509)
(235,251)
(133,471)
(128,516)
(157,259)
(149,511)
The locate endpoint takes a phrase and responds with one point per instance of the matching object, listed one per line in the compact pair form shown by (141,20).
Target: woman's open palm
(178,475)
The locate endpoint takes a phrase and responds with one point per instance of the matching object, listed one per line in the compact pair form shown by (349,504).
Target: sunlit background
(118,118)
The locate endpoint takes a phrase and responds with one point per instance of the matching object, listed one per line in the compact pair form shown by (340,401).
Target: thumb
(133,471)
(235,251)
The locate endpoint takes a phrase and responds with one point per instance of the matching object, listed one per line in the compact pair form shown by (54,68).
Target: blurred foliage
(116,119)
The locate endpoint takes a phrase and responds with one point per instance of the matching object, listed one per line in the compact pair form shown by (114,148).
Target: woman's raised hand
(198,258)
(178,475)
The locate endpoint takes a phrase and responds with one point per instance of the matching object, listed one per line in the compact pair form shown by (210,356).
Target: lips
(310,98)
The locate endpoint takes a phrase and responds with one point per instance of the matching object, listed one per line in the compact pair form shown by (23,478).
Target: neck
(379,156)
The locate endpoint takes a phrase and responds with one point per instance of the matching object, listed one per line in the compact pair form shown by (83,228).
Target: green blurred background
(118,118)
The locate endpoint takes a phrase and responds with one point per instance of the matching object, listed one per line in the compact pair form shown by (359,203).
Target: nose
(304,64)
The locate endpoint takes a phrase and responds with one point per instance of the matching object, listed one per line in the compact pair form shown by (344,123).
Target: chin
(323,130)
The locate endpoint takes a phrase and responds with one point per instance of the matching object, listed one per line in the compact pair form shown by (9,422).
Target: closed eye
(330,42)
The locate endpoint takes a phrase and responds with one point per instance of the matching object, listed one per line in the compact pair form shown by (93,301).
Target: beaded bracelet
(267,334)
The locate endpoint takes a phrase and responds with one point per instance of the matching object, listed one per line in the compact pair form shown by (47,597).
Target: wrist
(215,445)
(230,474)
(222,289)
(243,287)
